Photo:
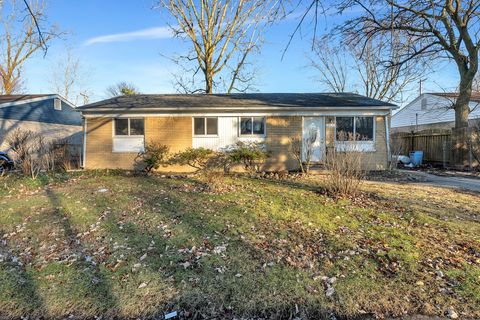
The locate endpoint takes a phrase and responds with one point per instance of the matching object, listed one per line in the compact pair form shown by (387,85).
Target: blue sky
(125,40)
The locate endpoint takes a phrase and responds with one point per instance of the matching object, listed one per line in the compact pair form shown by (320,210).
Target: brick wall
(175,132)
(279,132)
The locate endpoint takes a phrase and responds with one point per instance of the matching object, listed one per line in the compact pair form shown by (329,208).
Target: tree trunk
(460,134)
(208,82)
(462,107)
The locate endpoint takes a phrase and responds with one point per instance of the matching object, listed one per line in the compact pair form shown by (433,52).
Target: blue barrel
(416,158)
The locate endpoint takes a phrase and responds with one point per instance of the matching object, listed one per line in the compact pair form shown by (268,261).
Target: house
(48,114)
(116,129)
(432,111)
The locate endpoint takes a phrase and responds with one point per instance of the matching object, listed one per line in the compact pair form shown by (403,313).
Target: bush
(303,157)
(30,152)
(154,156)
(250,155)
(60,156)
(197,158)
(345,171)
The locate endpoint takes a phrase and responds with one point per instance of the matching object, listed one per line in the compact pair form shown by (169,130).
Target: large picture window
(252,126)
(354,129)
(129,127)
(205,126)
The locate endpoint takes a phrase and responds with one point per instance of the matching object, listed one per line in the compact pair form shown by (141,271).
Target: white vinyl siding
(435,110)
(228,134)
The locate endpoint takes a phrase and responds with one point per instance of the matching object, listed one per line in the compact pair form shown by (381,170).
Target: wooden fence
(436,145)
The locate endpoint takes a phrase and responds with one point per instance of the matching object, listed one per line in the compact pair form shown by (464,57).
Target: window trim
(57,104)
(252,135)
(114,127)
(127,137)
(205,135)
(374,138)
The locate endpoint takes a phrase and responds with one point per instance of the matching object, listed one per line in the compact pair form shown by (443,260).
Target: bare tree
(223,34)
(368,71)
(20,39)
(430,29)
(122,88)
(331,64)
(66,77)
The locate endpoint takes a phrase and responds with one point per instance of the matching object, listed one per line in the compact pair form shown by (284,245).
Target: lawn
(116,245)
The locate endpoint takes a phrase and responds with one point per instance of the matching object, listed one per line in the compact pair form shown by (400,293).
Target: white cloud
(149,33)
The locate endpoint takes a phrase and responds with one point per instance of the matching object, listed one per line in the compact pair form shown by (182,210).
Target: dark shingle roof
(41,111)
(240,101)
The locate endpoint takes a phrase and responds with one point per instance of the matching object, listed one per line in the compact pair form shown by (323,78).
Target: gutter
(387,132)
(231,109)
(84,155)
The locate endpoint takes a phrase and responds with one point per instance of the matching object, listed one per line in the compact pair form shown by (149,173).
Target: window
(129,127)
(57,104)
(424,104)
(252,126)
(129,135)
(354,129)
(205,126)
(345,129)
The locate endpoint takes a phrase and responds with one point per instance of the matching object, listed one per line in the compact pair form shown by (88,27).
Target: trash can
(416,158)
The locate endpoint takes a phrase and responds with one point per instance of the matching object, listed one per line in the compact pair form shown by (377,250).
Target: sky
(127,40)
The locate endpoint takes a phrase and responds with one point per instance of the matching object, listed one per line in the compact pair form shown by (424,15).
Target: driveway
(470,184)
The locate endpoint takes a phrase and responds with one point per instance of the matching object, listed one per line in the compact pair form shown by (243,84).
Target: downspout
(84,158)
(387,132)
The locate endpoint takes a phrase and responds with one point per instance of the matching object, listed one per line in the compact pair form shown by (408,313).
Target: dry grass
(149,245)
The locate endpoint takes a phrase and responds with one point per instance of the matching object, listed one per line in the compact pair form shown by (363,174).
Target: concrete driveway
(470,184)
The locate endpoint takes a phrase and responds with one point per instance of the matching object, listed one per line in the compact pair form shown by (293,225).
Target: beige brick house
(117,129)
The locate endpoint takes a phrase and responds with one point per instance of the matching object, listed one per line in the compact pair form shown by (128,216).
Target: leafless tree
(20,39)
(368,72)
(331,64)
(223,35)
(67,76)
(429,29)
(122,88)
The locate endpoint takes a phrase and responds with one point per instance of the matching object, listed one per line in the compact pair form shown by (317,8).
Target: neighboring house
(432,111)
(48,114)
(117,129)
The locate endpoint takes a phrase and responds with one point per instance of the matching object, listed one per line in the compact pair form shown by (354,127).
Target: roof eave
(231,109)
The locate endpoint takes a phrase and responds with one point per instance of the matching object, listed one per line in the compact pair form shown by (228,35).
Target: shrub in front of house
(345,170)
(154,156)
(252,155)
(197,158)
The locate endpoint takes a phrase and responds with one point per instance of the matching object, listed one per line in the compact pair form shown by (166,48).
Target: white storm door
(313,136)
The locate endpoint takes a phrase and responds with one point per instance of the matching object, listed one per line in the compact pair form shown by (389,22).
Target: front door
(313,138)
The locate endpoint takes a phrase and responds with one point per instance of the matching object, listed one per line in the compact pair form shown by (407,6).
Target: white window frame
(128,138)
(128,135)
(357,145)
(252,135)
(205,123)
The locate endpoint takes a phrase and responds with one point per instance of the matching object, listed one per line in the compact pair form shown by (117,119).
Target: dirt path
(446,182)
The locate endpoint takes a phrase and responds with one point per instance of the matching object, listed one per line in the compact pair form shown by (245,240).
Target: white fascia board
(240,114)
(221,109)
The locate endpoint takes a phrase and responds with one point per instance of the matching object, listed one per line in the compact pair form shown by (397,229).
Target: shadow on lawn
(218,292)
(17,284)
(88,280)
